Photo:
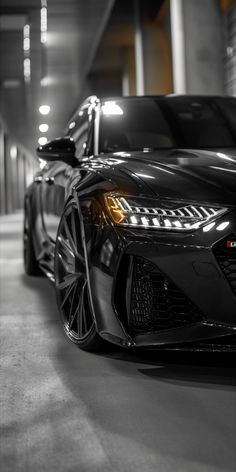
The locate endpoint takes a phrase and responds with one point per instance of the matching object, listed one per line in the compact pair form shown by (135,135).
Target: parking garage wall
(17,167)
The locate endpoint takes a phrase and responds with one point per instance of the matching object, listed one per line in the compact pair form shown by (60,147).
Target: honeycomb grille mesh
(226,258)
(156,302)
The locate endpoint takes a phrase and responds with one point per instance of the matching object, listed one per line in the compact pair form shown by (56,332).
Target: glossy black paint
(187,259)
(59,149)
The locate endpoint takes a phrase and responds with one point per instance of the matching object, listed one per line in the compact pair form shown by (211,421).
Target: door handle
(49,180)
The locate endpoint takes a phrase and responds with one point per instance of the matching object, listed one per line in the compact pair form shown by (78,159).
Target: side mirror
(60,149)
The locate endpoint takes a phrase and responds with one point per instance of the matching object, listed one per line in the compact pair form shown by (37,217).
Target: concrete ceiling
(75,28)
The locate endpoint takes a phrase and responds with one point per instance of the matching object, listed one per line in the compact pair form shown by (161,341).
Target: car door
(59,178)
(53,197)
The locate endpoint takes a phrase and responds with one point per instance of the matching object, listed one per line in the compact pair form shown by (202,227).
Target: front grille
(226,258)
(156,303)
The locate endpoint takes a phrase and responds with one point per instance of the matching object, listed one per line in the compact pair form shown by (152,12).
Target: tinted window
(185,122)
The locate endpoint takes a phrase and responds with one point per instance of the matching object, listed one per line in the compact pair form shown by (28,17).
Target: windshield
(164,123)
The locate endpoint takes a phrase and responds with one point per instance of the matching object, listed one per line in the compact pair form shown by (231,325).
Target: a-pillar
(197,46)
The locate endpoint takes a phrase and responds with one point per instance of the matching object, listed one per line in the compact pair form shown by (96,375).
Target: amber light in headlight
(127,211)
(116,211)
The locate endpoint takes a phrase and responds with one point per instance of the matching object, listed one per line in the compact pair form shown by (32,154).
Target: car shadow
(192,368)
(213,369)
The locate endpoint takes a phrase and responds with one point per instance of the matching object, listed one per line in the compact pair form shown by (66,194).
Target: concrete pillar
(21,178)
(8,176)
(178,45)
(128,76)
(157,59)
(14,179)
(125,74)
(2,172)
(197,46)
(11,184)
(138,47)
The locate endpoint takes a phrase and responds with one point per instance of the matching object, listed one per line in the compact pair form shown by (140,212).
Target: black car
(133,216)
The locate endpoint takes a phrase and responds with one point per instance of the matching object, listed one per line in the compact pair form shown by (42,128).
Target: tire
(71,283)
(30,262)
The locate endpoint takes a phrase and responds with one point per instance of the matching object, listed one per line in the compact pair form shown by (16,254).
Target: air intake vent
(156,303)
(225,253)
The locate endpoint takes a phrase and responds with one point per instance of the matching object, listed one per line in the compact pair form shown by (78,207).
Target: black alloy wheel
(71,281)
(30,262)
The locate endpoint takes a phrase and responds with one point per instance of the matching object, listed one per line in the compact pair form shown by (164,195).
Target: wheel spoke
(81,311)
(73,227)
(65,244)
(73,311)
(67,294)
(68,280)
(84,320)
(64,263)
(70,239)
(79,318)
(71,278)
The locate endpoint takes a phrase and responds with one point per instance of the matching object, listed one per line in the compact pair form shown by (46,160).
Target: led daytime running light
(187,217)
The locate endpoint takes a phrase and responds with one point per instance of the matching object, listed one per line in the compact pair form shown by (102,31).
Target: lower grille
(156,303)
(226,258)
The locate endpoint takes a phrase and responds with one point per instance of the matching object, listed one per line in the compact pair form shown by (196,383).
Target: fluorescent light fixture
(44,82)
(11,83)
(42,140)
(72,125)
(43,128)
(13,152)
(44,109)
(26,38)
(27,69)
(43,24)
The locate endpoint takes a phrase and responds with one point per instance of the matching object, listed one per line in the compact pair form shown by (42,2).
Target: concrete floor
(66,410)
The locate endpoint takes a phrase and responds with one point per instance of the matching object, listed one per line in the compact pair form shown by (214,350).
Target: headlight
(166,215)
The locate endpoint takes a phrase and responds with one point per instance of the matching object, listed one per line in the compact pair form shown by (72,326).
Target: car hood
(197,175)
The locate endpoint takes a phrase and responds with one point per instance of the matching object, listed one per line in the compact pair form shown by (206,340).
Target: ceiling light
(13,152)
(44,109)
(26,36)
(11,83)
(72,125)
(27,69)
(42,140)
(43,24)
(43,128)
(45,81)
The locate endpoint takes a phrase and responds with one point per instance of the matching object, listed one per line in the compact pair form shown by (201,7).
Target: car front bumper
(188,265)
